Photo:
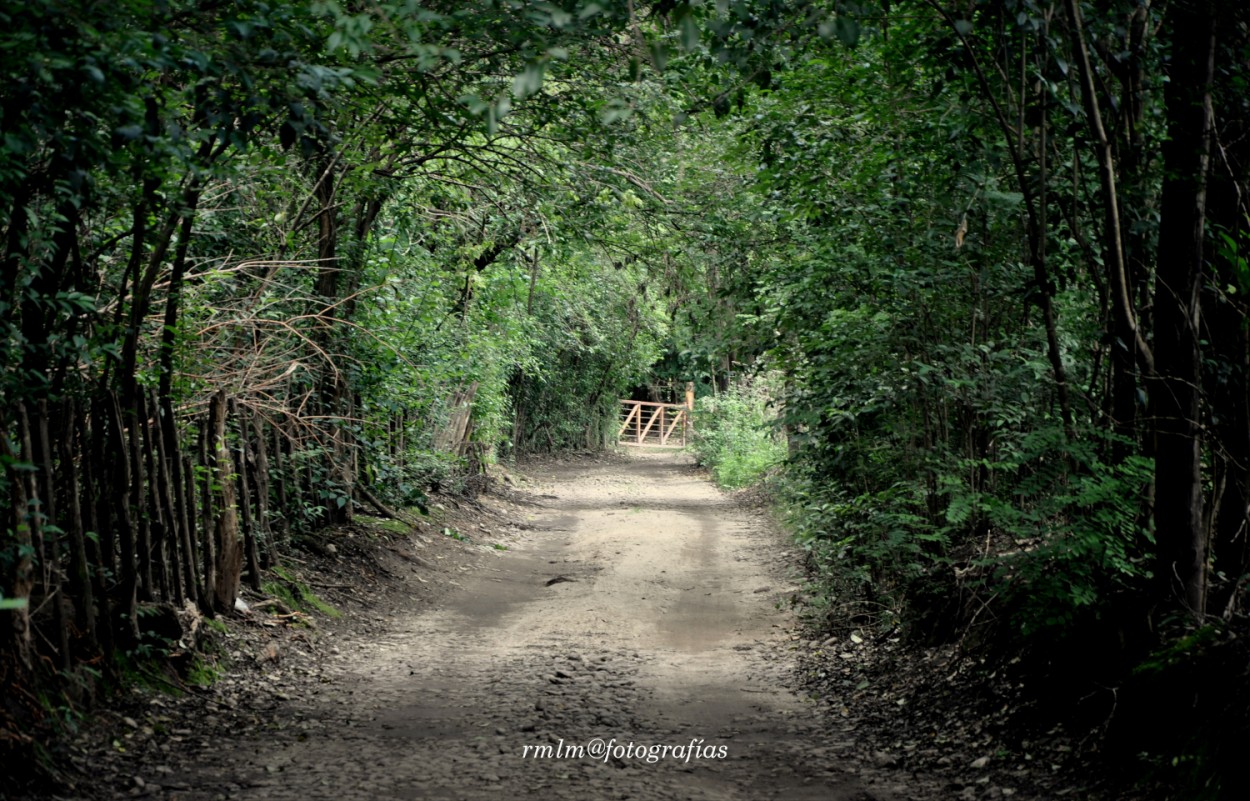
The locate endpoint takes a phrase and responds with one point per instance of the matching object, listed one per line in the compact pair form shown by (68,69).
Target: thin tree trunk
(138,498)
(183,502)
(261,475)
(208,551)
(54,580)
(120,480)
(1129,335)
(80,582)
(15,636)
(99,548)
(195,586)
(282,496)
(251,552)
(166,489)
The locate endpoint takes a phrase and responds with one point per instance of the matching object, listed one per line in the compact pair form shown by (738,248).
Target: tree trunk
(1180,534)
(15,634)
(119,481)
(80,567)
(251,551)
(1227,381)
(261,475)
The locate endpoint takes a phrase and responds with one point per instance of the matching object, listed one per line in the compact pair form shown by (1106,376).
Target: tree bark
(1175,388)
(54,579)
(119,481)
(1227,382)
(80,567)
(15,634)
(251,551)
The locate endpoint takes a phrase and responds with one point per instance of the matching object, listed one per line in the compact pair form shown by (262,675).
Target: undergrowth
(735,435)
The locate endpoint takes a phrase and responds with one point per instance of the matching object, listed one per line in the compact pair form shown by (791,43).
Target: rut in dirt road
(643,609)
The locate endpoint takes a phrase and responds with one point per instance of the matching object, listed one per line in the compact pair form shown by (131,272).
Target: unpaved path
(642,607)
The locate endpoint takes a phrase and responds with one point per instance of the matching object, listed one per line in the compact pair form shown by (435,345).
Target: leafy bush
(866,548)
(735,434)
(1075,524)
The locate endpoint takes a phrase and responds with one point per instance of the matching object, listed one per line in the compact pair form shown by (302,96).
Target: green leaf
(689,31)
(659,56)
(847,30)
(529,81)
(1004,198)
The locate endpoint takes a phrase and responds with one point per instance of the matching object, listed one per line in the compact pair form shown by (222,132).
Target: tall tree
(1175,390)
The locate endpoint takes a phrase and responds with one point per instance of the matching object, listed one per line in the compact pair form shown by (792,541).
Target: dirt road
(641,607)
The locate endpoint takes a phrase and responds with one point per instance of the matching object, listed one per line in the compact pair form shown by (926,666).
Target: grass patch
(385,524)
(456,535)
(297,594)
(149,669)
(216,624)
(204,672)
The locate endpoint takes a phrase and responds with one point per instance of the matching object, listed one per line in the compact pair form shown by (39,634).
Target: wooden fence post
(685,426)
(229,555)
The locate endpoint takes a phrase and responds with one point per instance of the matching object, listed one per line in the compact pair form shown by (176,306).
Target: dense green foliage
(267,264)
(736,436)
(1015,349)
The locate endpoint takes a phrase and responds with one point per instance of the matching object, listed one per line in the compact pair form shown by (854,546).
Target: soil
(618,598)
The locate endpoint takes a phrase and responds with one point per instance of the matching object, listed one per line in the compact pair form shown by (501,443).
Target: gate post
(685,424)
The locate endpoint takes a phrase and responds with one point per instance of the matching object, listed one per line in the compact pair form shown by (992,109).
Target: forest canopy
(267,264)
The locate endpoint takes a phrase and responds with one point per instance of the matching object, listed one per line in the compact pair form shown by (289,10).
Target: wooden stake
(80,568)
(245,498)
(229,562)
